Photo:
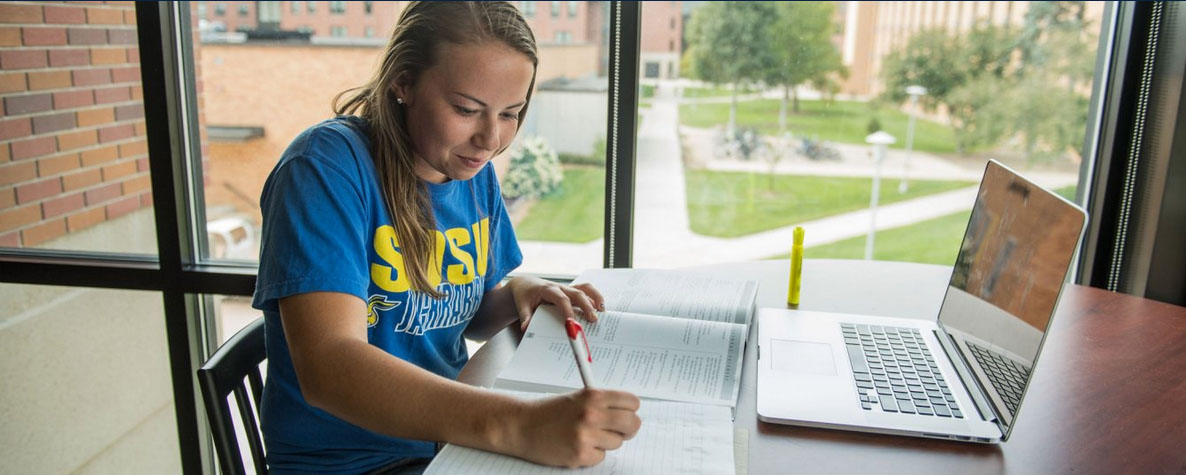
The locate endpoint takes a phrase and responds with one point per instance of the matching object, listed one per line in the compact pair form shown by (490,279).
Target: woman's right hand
(576,429)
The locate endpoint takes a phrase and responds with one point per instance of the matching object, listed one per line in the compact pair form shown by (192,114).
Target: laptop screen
(1010,269)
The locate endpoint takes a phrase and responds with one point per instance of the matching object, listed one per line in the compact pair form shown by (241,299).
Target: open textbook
(670,335)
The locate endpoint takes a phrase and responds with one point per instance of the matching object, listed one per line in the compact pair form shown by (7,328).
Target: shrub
(534,171)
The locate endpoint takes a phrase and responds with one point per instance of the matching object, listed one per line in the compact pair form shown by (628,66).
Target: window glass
(337,7)
(87,385)
(253,104)
(761,122)
(73,149)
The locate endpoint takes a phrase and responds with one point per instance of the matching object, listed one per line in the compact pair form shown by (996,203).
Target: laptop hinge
(974,389)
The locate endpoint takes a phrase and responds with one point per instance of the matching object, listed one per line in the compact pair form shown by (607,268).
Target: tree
(728,44)
(802,46)
(535,170)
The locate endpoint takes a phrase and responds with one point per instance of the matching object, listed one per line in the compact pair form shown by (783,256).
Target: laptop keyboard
(895,372)
(1008,377)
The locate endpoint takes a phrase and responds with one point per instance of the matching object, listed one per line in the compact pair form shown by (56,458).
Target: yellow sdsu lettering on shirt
(390,275)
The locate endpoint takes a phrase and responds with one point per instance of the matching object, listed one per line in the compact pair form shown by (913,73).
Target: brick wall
(72,139)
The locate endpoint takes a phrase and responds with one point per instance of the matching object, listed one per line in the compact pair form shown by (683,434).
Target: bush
(873,126)
(534,171)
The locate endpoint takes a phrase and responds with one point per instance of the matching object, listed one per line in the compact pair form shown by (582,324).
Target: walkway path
(662,235)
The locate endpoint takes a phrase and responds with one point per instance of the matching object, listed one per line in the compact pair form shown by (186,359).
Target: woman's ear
(402,92)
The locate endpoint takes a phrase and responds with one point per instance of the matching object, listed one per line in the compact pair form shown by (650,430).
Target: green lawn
(714,91)
(573,213)
(730,204)
(934,241)
(836,121)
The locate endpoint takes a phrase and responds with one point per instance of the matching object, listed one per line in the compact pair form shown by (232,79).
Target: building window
(670,45)
(220,9)
(368,7)
(528,9)
(673,23)
(556,9)
(201,10)
(337,8)
(651,70)
(369,32)
(244,10)
(337,31)
(573,7)
(296,7)
(311,7)
(563,37)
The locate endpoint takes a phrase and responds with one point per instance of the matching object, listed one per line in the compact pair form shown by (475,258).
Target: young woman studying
(385,241)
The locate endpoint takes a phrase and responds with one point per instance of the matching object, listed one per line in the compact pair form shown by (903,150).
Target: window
(368,7)
(295,7)
(244,10)
(337,31)
(369,32)
(528,9)
(337,8)
(312,6)
(573,8)
(556,8)
(220,9)
(563,37)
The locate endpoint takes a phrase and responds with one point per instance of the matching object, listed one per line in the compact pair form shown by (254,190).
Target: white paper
(674,438)
(671,293)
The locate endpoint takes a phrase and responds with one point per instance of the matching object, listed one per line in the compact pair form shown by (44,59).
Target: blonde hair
(414,46)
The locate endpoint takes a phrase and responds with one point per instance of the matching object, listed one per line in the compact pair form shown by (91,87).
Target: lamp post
(879,140)
(914,91)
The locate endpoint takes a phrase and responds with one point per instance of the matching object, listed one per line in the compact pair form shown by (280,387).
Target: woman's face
(465,108)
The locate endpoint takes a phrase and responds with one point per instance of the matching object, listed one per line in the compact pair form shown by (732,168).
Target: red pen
(580,349)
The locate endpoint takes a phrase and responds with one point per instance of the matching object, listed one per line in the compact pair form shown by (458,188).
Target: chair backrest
(237,359)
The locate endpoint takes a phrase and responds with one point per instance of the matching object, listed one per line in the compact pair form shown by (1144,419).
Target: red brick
(139,147)
(104,56)
(142,164)
(37,147)
(72,99)
(141,129)
(81,179)
(12,82)
(99,155)
(118,170)
(73,140)
(41,233)
(86,36)
(134,55)
(56,165)
(13,173)
(102,194)
(43,36)
(69,15)
(7,198)
(44,124)
(90,77)
(10,240)
(122,207)
(16,217)
(10,36)
(5,155)
(15,13)
(49,80)
(27,104)
(23,59)
(63,205)
(130,112)
(136,185)
(85,219)
(91,117)
(146,200)
(115,3)
(137,93)
(131,74)
(122,36)
(10,129)
(130,17)
(104,16)
(118,132)
(69,57)
(112,94)
(38,190)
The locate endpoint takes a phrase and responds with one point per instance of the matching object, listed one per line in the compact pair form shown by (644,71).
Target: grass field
(574,213)
(835,121)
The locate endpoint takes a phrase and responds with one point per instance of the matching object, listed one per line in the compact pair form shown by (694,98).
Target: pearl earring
(399,100)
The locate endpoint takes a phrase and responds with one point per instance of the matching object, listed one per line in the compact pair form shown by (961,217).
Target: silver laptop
(962,377)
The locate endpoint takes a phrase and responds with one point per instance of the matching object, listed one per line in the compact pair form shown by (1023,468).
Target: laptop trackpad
(802,357)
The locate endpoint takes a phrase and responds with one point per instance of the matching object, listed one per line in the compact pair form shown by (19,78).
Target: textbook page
(674,438)
(682,294)
(654,357)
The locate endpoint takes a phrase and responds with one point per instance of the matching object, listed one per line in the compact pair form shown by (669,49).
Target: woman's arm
(341,373)
(518,298)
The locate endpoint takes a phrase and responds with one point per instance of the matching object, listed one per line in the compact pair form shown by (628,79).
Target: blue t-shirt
(326,228)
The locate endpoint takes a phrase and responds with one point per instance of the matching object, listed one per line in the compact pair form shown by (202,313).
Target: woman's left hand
(530,292)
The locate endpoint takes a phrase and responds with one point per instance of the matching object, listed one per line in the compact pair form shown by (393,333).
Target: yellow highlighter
(796,267)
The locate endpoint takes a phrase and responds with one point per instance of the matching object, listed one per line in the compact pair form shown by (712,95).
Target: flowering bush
(534,171)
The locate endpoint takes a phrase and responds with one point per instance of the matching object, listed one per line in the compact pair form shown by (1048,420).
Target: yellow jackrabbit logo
(376,303)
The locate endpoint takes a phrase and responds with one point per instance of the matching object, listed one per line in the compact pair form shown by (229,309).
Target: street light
(914,92)
(879,140)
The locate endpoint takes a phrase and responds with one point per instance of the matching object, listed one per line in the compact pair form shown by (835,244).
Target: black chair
(223,374)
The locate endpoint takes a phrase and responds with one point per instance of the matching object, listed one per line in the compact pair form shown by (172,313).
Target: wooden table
(1108,394)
